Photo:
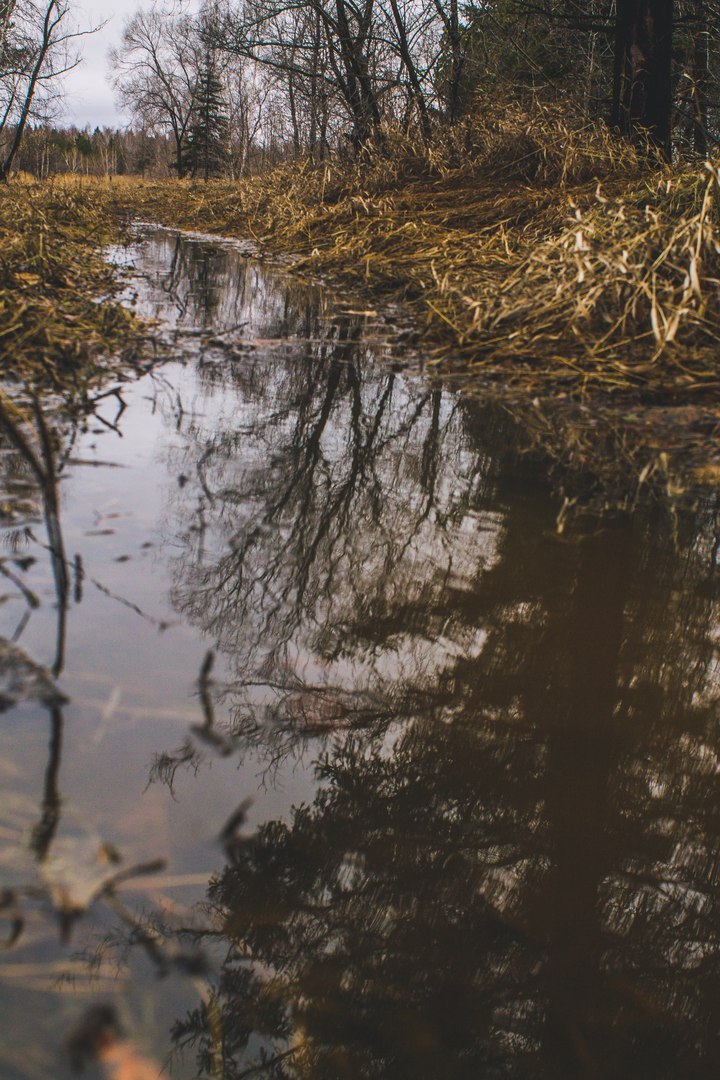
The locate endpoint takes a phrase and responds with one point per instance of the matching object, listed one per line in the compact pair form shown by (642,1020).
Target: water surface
(434,786)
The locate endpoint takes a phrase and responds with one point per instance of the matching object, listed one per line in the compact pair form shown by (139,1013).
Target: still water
(360,768)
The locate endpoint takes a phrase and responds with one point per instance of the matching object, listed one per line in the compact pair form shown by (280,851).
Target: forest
(236,87)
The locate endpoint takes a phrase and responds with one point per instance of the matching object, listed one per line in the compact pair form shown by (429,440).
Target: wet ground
(324,753)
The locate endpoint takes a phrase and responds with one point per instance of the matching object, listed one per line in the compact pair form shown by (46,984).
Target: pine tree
(206,151)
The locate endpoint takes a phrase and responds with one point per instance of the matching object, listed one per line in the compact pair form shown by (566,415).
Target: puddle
(331,757)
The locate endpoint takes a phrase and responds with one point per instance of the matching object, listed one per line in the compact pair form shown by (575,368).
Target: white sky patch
(89,97)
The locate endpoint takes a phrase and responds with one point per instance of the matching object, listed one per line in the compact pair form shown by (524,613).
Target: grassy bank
(551,259)
(542,262)
(550,265)
(58,322)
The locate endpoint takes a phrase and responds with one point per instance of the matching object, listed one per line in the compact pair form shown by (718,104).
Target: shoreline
(642,414)
(61,325)
(528,263)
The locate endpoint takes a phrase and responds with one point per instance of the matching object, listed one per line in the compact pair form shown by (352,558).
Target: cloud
(89,98)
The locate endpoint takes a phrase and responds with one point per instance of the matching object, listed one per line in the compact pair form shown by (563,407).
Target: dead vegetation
(58,322)
(541,259)
(540,254)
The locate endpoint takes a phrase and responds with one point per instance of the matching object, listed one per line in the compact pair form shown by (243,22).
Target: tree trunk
(360,96)
(53,16)
(642,92)
(179,154)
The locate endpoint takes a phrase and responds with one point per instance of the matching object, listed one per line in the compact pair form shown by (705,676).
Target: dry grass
(540,255)
(542,260)
(55,330)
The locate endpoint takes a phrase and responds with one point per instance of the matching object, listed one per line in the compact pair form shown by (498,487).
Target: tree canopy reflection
(510,867)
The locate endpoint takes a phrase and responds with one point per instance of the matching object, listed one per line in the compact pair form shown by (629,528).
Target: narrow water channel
(332,757)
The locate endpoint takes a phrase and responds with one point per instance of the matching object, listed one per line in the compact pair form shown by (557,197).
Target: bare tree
(156,72)
(36,49)
(339,51)
(352,66)
(249,96)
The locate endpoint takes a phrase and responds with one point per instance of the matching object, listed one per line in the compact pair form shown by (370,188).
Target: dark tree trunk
(642,97)
(360,96)
(179,154)
(53,17)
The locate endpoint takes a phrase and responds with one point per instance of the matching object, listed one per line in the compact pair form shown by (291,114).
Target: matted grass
(554,258)
(542,261)
(58,321)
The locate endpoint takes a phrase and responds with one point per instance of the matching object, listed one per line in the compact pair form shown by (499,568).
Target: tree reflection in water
(510,867)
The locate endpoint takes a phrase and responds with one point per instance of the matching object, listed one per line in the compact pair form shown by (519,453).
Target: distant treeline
(48,150)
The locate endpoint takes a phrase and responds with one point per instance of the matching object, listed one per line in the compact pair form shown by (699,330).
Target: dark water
(476,761)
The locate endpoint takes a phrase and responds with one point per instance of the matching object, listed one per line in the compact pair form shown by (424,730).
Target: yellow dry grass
(542,259)
(539,254)
(57,320)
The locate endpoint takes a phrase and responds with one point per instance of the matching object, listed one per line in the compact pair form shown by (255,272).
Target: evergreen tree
(206,151)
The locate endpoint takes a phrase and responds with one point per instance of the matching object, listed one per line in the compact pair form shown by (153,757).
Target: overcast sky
(89,96)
